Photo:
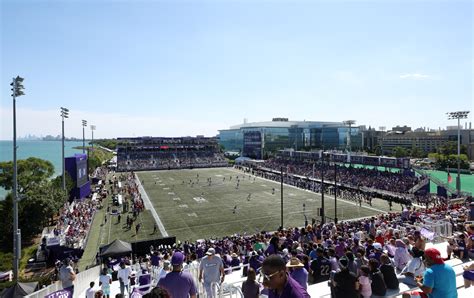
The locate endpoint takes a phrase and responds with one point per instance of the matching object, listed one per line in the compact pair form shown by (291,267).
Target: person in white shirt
(414,268)
(90,292)
(105,279)
(124,277)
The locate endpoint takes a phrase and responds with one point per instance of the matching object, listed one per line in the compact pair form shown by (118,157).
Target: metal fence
(80,284)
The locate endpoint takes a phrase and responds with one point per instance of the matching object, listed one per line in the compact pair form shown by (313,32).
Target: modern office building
(262,139)
(428,141)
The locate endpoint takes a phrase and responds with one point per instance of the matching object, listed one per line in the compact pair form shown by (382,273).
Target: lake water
(48,150)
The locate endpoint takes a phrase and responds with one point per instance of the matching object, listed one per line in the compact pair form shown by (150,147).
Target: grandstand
(199,205)
(148,153)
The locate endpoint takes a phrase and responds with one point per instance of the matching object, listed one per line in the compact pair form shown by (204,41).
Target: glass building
(262,139)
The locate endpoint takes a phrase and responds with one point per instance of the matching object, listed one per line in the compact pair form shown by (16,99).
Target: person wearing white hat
(298,272)
(211,269)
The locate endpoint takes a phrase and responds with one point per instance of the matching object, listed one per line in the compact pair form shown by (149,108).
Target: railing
(81,283)
(226,290)
(419,185)
(195,274)
(439,182)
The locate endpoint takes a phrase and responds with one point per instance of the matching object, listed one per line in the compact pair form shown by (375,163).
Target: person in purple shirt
(340,247)
(279,283)
(178,283)
(272,247)
(298,272)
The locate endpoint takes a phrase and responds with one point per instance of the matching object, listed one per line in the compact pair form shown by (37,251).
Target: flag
(450,179)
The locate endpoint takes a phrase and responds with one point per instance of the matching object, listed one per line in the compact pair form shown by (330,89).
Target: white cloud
(415,76)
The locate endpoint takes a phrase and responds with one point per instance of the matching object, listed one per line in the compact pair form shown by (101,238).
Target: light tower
(458,115)
(17,90)
(84,124)
(348,147)
(64,114)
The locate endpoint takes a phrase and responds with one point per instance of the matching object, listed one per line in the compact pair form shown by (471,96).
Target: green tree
(378,150)
(452,148)
(399,152)
(40,198)
(417,152)
(31,173)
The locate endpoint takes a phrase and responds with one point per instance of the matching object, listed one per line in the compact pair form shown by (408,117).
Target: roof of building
(285,124)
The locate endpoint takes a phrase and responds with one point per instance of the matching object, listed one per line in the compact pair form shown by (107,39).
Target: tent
(20,289)
(118,247)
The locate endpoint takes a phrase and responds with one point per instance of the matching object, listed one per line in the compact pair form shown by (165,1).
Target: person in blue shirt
(439,280)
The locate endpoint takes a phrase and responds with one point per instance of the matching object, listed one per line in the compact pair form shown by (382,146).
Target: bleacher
(322,290)
(169,153)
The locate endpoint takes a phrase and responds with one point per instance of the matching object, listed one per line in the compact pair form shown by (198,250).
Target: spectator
(124,277)
(379,288)
(105,279)
(388,272)
(439,280)
(212,268)
(279,283)
(414,268)
(298,272)
(364,282)
(90,292)
(344,282)
(468,275)
(67,276)
(178,283)
(320,267)
(402,257)
(251,288)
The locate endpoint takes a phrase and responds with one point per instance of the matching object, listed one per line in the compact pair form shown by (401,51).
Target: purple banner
(59,294)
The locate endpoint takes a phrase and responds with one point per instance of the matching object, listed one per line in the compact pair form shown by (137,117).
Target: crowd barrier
(80,284)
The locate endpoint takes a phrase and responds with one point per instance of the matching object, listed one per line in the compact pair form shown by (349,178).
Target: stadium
(159,196)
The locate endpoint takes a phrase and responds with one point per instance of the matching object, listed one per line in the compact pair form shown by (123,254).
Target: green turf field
(195,211)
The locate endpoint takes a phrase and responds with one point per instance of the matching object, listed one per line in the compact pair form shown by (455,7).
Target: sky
(186,68)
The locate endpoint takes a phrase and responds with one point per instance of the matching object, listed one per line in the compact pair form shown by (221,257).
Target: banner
(59,294)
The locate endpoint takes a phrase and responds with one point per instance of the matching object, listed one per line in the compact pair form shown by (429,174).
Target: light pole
(84,124)
(64,114)
(458,115)
(348,147)
(322,212)
(281,197)
(17,88)
(92,130)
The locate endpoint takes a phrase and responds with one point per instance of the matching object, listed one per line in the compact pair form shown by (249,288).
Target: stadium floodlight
(458,115)
(92,130)
(17,90)
(84,124)
(348,147)
(64,114)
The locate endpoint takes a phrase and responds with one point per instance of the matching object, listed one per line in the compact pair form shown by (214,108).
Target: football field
(190,207)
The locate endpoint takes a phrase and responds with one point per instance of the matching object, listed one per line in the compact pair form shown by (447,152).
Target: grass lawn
(102,233)
(194,210)
(467,181)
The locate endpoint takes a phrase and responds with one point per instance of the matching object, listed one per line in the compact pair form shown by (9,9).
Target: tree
(399,152)
(452,148)
(417,152)
(378,150)
(31,172)
(40,199)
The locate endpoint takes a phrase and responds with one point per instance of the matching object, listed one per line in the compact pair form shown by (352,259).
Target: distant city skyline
(173,68)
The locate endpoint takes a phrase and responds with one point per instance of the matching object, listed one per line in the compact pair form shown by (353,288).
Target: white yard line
(149,206)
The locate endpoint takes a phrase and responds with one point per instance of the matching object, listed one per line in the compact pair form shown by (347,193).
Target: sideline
(150,207)
(317,193)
